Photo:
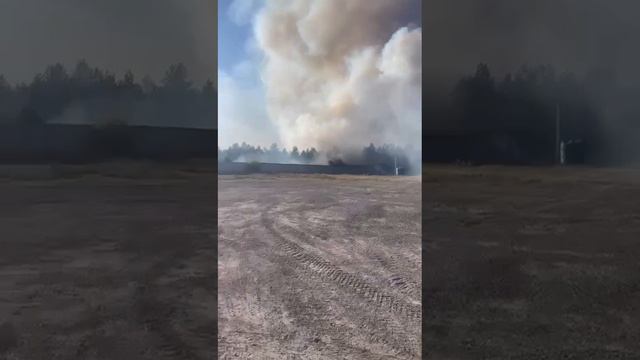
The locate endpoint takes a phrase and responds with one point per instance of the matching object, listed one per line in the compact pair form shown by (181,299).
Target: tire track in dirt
(331,273)
(400,282)
(154,318)
(155,314)
(392,336)
(395,337)
(397,280)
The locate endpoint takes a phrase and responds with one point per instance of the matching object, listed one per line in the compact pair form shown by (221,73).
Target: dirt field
(531,263)
(107,262)
(319,267)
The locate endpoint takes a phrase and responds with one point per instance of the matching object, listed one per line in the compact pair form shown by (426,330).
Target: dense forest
(89,95)
(247,153)
(513,119)
(527,100)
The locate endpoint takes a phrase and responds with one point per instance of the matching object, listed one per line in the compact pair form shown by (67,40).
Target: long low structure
(86,143)
(488,147)
(243,168)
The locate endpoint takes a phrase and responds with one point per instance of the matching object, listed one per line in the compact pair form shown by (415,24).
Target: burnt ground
(319,267)
(531,263)
(113,261)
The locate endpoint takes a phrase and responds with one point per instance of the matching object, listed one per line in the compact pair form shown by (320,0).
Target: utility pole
(395,164)
(557,159)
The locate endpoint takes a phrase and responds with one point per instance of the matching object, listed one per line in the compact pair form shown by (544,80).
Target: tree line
(248,153)
(88,94)
(386,156)
(525,100)
(523,105)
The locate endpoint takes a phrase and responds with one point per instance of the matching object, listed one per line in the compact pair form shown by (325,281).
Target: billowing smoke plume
(342,74)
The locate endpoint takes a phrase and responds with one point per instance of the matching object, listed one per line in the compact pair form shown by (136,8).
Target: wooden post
(557,159)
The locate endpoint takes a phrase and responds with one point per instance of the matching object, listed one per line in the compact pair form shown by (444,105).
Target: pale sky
(145,36)
(242,115)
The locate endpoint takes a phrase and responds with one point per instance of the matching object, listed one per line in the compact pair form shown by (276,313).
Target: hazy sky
(242,114)
(574,35)
(145,36)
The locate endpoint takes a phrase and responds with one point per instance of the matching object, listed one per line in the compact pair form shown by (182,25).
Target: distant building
(87,143)
(487,147)
(239,168)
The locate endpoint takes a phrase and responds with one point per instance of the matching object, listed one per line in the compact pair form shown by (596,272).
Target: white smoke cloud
(341,73)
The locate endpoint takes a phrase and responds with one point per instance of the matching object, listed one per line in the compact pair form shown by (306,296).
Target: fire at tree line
(387,157)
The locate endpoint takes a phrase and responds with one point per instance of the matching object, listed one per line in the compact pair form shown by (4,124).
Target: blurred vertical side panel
(530,179)
(108,144)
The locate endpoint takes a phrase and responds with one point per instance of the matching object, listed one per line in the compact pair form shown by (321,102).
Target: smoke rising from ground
(342,74)
(384,158)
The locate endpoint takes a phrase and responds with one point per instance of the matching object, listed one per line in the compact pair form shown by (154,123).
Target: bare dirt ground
(531,263)
(114,261)
(319,267)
